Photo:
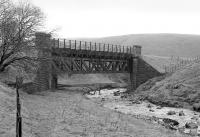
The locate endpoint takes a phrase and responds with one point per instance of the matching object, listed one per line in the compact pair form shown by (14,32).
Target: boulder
(196,107)
(135,102)
(198,130)
(181,113)
(170,123)
(159,107)
(195,118)
(187,131)
(151,110)
(191,125)
(123,96)
(103,99)
(149,106)
(171,112)
(117,93)
(193,132)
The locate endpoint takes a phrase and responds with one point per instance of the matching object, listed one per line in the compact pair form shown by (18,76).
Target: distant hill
(182,45)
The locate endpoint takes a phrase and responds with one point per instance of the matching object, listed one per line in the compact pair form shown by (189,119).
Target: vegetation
(18,23)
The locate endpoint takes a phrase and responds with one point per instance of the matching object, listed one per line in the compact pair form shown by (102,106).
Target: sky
(102,18)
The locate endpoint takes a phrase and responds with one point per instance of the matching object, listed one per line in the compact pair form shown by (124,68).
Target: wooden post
(19,82)
(54,43)
(70,44)
(54,80)
(58,43)
(75,44)
(104,47)
(108,47)
(85,45)
(90,46)
(80,46)
(95,46)
(64,43)
(99,46)
(112,48)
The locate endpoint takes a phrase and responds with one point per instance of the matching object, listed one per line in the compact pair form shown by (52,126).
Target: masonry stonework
(140,71)
(145,72)
(43,80)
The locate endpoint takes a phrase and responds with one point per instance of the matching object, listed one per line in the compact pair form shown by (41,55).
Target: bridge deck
(66,52)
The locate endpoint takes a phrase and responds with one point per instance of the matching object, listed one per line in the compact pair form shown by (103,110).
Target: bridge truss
(86,57)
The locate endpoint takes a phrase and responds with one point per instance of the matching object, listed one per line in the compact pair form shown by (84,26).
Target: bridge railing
(93,46)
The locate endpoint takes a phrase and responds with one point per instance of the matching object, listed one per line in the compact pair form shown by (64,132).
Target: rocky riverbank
(183,120)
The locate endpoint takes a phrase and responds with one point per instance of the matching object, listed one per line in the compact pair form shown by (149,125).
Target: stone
(191,125)
(171,112)
(135,102)
(193,132)
(123,96)
(186,131)
(160,121)
(181,113)
(159,107)
(117,93)
(198,130)
(170,123)
(198,122)
(181,129)
(195,118)
(149,106)
(196,107)
(151,110)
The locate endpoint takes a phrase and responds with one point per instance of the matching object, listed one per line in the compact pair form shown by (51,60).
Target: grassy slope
(182,88)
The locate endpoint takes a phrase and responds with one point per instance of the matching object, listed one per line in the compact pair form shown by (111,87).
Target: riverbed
(111,98)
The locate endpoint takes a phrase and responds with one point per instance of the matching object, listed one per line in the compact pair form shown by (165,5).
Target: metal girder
(90,65)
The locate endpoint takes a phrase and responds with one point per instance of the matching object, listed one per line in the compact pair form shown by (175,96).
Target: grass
(69,113)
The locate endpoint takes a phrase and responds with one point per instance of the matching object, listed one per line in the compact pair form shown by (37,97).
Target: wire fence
(178,63)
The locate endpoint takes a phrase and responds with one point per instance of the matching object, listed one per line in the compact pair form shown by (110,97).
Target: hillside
(159,44)
(181,89)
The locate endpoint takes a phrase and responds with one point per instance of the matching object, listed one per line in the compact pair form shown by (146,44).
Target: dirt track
(69,114)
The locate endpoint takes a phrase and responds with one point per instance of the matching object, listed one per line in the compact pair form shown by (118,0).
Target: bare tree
(18,24)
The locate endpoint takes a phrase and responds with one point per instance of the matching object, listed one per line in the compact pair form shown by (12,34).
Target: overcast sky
(100,18)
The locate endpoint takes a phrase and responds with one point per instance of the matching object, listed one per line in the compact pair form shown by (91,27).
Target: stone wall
(145,72)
